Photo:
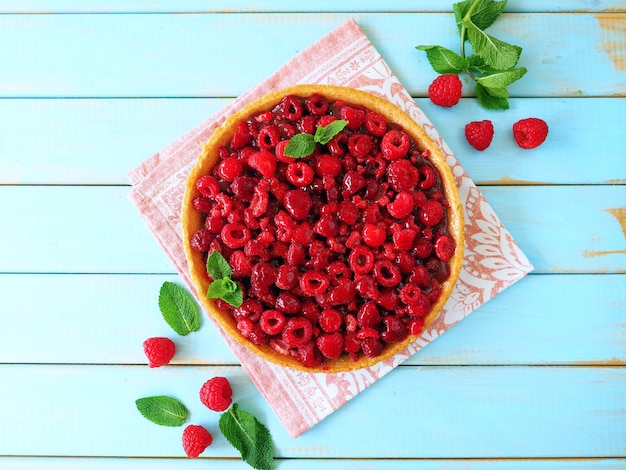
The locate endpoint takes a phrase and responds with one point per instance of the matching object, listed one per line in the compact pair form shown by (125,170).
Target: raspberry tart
(341,253)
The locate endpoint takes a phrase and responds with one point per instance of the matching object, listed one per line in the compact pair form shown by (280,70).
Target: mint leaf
(323,134)
(162,410)
(478,64)
(501,79)
(460,11)
(227,290)
(217,266)
(483,13)
(234,298)
(178,309)
(249,437)
(217,289)
(487,12)
(496,53)
(491,101)
(444,60)
(303,145)
(300,146)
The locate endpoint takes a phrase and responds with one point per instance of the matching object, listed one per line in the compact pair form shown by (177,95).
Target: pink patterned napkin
(492,261)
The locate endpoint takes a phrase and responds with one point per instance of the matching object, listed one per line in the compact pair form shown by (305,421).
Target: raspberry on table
(530,133)
(479,134)
(216,394)
(446,90)
(159,351)
(195,440)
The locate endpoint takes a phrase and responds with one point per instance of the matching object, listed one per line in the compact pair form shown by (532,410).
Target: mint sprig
(162,410)
(251,438)
(492,65)
(302,145)
(222,287)
(178,309)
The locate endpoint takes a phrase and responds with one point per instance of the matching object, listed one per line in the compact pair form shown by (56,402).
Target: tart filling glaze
(344,256)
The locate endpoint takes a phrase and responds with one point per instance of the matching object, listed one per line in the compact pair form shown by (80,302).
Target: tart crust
(192,219)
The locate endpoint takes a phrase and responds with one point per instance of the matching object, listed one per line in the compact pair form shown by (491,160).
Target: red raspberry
(375,124)
(330,320)
(272,322)
(402,206)
(268,137)
(445,90)
(330,344)
(402,175)
(428,177)
(373,235)
(264,162)
(216,394)
(395,144)
(195,440)
(159,351)
(241,137)
(445,247)
(530,133)
(432,213)
(298,204)
(395,329)
(479,134)
(354,117)
(297,332)
(372,347)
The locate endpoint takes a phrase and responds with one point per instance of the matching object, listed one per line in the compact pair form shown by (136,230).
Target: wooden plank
(94,229)
(449,412)
(194,6)
(77,463)
(192,55)
(103,319)
(96,141)
(582,224)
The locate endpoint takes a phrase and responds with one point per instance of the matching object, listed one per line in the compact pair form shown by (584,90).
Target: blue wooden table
(536,378)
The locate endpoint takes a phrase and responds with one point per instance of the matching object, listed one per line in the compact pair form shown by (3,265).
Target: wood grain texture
(103,319)
(96,141)
(251,6)
(78,463)
(143,55)
(535,378)
(470,412)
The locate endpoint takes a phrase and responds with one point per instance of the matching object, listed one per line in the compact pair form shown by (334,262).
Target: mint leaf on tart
(323,134)
(222,287)
(492,64)
(251,438)
(302,145)
(217,266)
(162,410)
(179,309)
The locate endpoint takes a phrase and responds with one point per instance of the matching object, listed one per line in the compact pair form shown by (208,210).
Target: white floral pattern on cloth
(492,259)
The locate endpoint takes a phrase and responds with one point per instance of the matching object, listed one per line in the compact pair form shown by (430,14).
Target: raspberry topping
(340,252)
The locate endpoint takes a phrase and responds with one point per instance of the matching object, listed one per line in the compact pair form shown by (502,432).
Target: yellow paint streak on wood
(505,180)
(613,28)
(620,214)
